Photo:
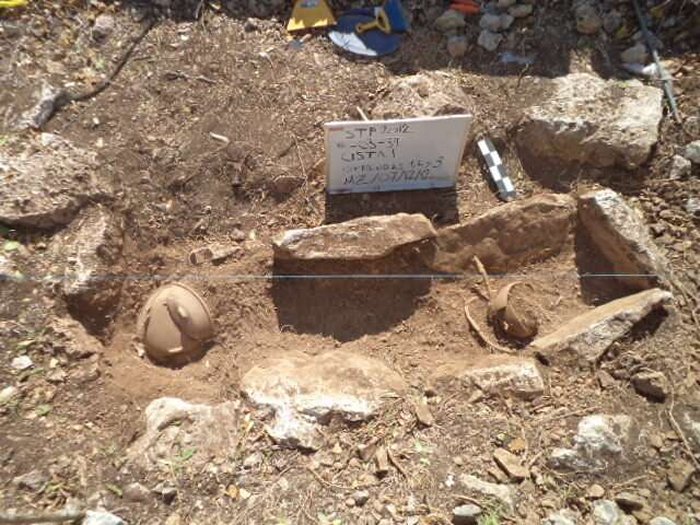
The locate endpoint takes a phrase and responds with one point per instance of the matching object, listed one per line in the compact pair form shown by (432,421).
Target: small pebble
(22,362)
(521,11)
(7,393)
(457,46)
(360,497)
(595,491)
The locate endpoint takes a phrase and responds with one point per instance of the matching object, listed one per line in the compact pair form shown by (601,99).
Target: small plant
(492,515)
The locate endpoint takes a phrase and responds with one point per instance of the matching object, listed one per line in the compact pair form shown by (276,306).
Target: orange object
(468,8)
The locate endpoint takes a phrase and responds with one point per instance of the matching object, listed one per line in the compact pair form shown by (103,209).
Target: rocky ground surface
(546,372)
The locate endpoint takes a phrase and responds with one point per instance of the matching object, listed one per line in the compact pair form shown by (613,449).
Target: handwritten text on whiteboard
(391,155)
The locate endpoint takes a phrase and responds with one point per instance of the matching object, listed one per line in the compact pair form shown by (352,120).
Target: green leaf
(113,488)
(43,410)
(187,454)
(11,246)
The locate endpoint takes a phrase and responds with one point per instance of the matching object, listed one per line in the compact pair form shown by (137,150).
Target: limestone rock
(503,493)
(136,492)
(585,338)
(7,394)
(495,23)
(637,54)
(496,375)
(680,167)
(651,384)
(588,20)
(599,439)
(34,480)
(457,46)
(102,518)
(629,501)
(8,270)
(489,40)
(449,21)
(506,21)
(466,514)
(612,21)
(661,520)
(365,238)
(622,236)
(509,236)
(511,464)
(68,337)
(305,390)
(427,94)
(293,430)
(689,420)
(332,383)
(606,512)
(521,10)
(84,257)
(22,362)
(286,184)
(185,434)
(40,113)
(103,26)
(562,517)
(47,185)
(592,121)
(680,474)
(692,152)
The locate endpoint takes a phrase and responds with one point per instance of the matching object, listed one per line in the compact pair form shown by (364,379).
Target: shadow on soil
(563,177)
(353,299)
(440,206)
(598,286)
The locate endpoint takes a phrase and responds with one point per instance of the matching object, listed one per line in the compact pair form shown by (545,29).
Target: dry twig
(480,268)
(328,483)
(677,429)
(396,463)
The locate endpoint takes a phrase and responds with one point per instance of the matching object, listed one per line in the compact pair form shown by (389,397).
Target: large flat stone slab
(305,390)
(592,121)
(427,94)
(586,337)
(622,236)
(46,183)
(185,435)
(509,236)
(335,382)
(362,239)
(494,375)
(84,258)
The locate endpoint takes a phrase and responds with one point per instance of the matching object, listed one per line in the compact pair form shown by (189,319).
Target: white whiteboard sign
(398,154)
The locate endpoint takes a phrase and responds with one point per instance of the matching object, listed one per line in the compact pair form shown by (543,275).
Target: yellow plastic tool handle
(381,23)
(12,3)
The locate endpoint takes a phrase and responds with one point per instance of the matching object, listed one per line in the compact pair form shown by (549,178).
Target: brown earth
(179,187)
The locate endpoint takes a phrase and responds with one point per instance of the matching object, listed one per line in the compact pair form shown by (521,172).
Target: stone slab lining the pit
(508,236)
(493,375)
(622,236)
(85,259)
(586,337)
(362,239)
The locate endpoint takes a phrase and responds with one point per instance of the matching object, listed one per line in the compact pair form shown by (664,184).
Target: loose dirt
(196,134)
